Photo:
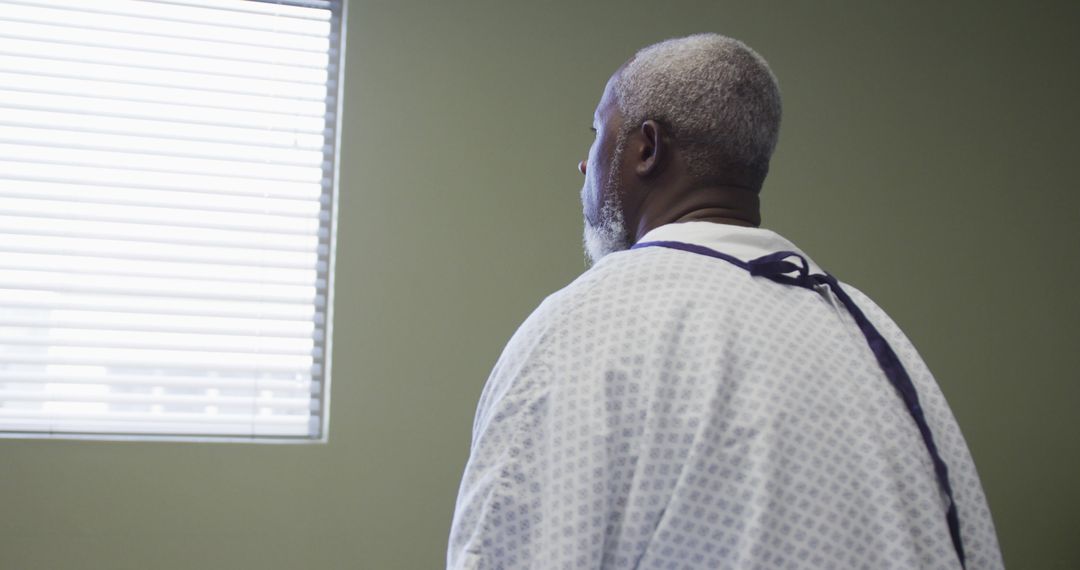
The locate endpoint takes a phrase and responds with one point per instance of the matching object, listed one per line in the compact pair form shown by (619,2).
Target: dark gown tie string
(776,267)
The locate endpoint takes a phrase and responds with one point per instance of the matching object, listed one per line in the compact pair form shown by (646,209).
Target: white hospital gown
(669,410)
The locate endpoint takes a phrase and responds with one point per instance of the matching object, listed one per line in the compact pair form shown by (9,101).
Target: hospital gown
(669,410)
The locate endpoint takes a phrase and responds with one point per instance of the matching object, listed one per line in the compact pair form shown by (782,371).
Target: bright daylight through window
(167,192)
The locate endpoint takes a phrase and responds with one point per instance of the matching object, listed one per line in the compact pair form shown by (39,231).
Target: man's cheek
(588,204)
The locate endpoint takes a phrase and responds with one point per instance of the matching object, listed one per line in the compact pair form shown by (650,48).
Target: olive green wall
(927,156)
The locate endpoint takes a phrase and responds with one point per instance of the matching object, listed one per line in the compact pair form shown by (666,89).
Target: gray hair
(717,96)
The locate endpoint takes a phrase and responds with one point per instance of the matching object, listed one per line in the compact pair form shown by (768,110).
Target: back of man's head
(717,96)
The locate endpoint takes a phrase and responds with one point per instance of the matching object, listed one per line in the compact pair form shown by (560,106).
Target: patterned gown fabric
(669,410)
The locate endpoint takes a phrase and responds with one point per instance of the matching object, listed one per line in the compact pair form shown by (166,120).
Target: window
(167,192)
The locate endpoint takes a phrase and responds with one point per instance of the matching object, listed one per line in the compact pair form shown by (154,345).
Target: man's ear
(651,149)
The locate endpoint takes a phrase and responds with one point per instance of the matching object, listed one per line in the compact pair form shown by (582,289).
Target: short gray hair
(718,97)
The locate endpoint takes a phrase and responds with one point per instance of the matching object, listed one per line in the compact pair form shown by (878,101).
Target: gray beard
(607,237)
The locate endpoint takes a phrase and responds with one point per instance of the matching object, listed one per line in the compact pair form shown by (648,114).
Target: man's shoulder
(633,288)
(647,270)
(599,285)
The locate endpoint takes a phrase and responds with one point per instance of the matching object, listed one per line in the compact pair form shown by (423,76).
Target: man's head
(684,130)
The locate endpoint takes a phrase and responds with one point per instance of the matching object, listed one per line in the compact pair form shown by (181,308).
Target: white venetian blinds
(167,173)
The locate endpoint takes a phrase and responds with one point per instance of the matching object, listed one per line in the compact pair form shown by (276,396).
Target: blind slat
(121,249)
(158,13)
(62,93)
(261,330)
(162,360)
(152,198)
(68,51)
(253,40)
(22,231)
(73,174)
(169,130)
(112,235)
(113,339)
(161,430)
(56,416)
(206,382)
(160,164)
(32,346)
(86,429)
(14,299)
(294,9)
(126,145)
(105,212)
(104,266)
(121,76)
(151,43)
(277,402)
(148,287)
(44,109)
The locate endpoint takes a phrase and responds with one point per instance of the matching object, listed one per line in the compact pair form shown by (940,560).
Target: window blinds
(167,190)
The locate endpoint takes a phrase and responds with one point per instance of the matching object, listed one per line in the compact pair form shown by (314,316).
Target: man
(705,396)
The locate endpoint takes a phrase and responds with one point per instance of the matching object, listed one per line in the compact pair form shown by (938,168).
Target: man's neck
(733,205)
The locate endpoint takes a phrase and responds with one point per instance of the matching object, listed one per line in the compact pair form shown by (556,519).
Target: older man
(706,396)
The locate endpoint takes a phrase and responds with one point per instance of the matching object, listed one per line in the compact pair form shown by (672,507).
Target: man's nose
(581,166)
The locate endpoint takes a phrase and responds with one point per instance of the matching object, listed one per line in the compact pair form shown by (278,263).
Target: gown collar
(741,242)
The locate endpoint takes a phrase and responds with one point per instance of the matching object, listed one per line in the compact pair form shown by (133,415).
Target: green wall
(927,156)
